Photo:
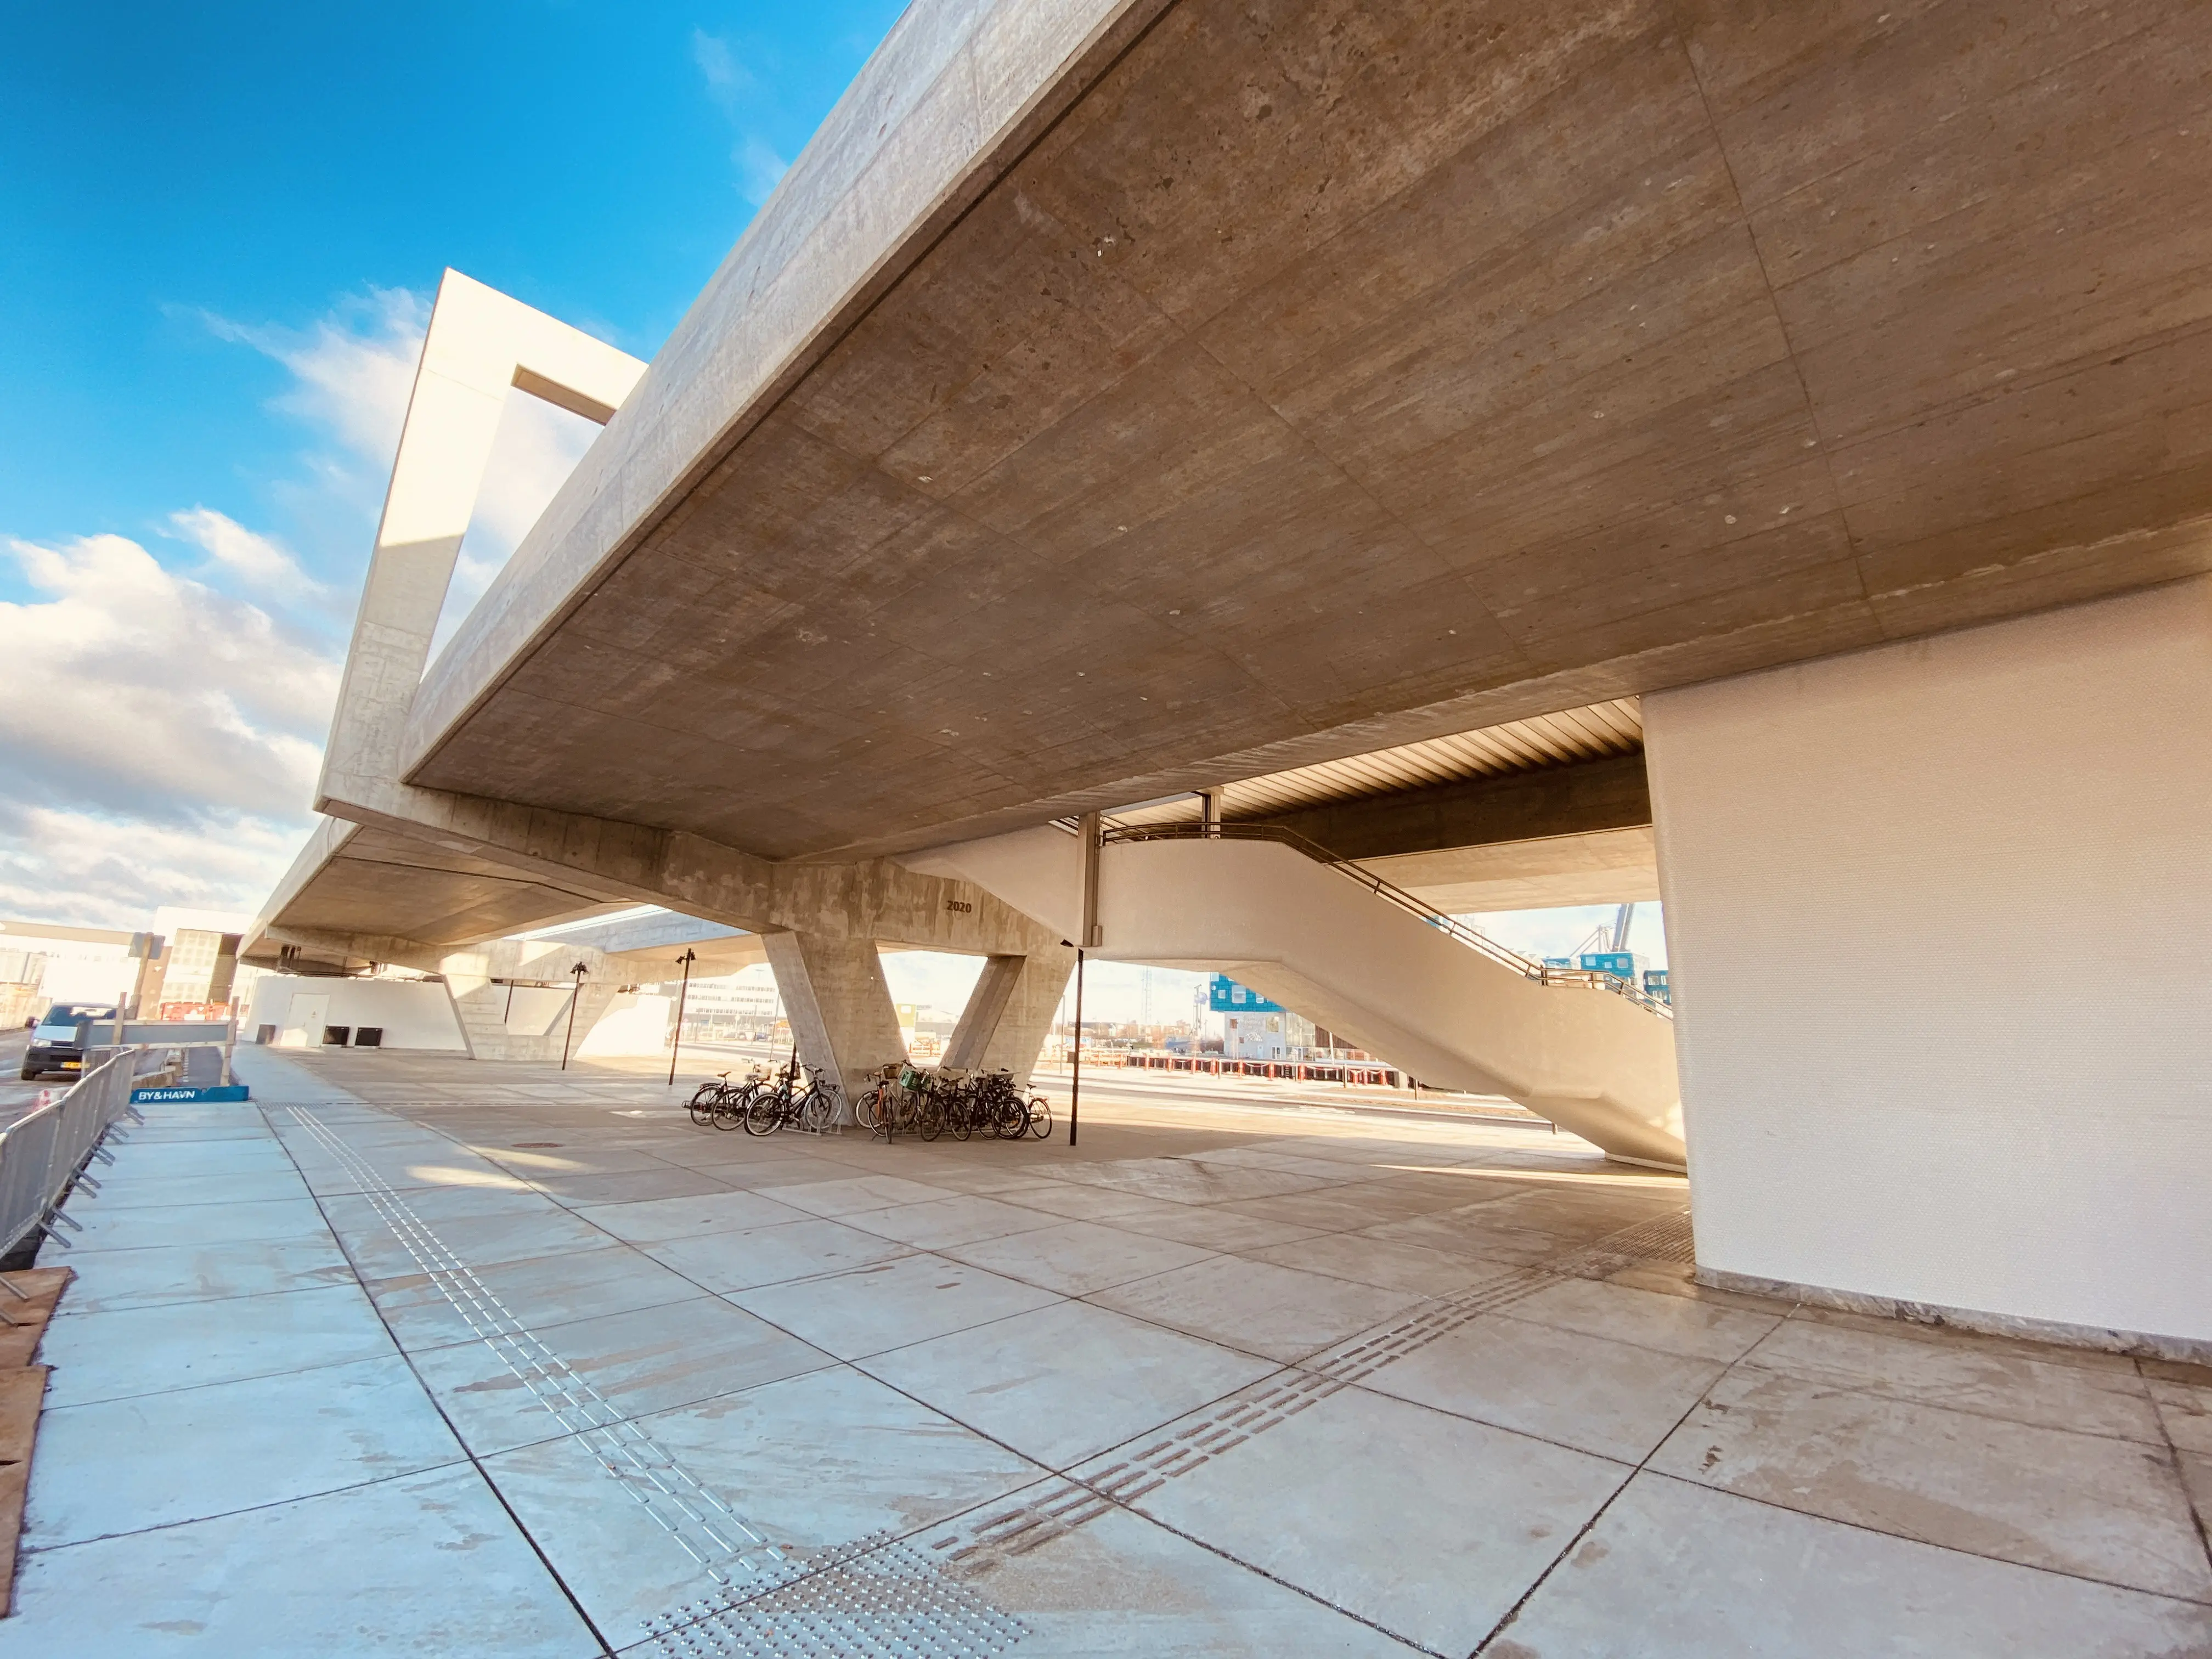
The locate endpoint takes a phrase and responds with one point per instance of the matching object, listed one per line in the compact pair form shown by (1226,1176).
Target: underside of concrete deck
(426,1356)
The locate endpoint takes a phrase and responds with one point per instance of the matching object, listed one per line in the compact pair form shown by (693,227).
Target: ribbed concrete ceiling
(1575,734)
(1335,374)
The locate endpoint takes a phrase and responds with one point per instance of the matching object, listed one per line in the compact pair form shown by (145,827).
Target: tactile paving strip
(880,1598)
(704,1526)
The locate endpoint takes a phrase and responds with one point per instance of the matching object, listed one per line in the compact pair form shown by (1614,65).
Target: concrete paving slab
(1077,1201)
(892,1304)
(484,1241)
(657,1220)
(204,1189)
(2072,1503)
(2053,1396)
(639,1361)
(965,1218)
(1457,1232)
(1342,1208)
(1679,1572)
(181,1225)
(631,1186)
(1427,1524)
(1077,1257)
(345,1573)
(853,1194)
(1582,1391)
(1066,1381)
(1413,1268)
(1179,1181)
(149,1165)
(543,1291)
(193,1454)
(1675,1325)
(816,1461)
(182,1345)
(1122,1585)
(1212,1229)
(145,1278)
(754,1256)
(1257,1307)
(2185,1412)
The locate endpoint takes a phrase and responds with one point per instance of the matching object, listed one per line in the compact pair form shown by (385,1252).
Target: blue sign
(1226,996)
(221,1091)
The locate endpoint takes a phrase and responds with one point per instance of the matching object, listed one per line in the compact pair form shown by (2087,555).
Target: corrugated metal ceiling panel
(1576,734)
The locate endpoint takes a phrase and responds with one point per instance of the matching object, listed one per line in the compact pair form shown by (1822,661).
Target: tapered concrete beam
(631,863)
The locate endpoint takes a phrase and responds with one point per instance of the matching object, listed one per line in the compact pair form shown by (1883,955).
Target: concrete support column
(1009,1012)
(839,1004)
(1931,913)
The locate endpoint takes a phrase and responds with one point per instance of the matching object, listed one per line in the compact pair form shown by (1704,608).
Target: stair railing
(1504,956)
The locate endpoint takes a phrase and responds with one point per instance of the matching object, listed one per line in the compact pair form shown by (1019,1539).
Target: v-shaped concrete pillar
(1010,1011)
(840,1006)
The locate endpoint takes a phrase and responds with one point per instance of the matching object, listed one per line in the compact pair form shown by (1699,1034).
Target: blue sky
(220,226)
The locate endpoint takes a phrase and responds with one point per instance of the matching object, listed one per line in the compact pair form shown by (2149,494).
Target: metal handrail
(1504,956)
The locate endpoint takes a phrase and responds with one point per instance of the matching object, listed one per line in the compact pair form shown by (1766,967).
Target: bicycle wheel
(1039,1116)
(729,1107)
(702,1104)
(764,1112)
(868,1110)
(817,1111)
(1009,1119)
(960,1120)
(929,1115)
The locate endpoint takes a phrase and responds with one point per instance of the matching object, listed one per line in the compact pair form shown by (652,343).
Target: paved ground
(473,1360)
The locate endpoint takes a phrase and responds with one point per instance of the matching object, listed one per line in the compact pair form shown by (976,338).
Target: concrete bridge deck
(414,1355)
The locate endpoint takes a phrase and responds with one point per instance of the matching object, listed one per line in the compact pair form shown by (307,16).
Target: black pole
(1075,1082)
(574,997)
(689,957)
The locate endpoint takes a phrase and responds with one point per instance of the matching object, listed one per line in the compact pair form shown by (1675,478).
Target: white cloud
(136,691)
(95,870)
(728,79)
(162,732)
(260,560)
(759,169)
(728,83)
(352,370)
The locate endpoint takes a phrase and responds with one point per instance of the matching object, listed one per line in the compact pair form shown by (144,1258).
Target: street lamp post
(689,957)
(574,997)
(1075,1078)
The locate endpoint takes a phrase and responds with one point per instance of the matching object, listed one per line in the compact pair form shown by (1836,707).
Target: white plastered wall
(1936,914)
(413,1013)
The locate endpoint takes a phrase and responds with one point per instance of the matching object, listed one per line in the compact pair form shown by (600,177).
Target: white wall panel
(1938,917)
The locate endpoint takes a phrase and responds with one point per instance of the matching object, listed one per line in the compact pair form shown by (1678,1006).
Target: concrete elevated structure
(1117,400)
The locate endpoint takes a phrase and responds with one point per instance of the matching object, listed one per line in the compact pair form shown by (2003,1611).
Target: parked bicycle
(722,1103)
(909,1099)
(797,1095)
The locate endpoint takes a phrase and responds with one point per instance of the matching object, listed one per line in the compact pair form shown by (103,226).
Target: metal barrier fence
(42,1152)
(1367,1074)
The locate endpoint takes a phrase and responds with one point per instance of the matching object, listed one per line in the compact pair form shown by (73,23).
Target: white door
(303,1026)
